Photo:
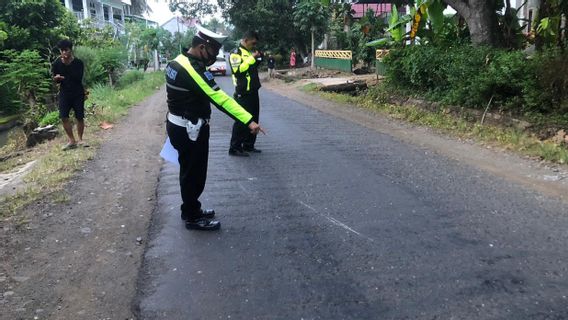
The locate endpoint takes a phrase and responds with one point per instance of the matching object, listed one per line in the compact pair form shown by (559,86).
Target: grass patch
(310,87)
(6,119)
(54,168)
(460,126)
(108,104)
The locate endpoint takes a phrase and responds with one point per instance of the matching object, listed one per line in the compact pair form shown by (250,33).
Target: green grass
(309,87)
(461,126)
(54,168)
(110,104)
(6,119)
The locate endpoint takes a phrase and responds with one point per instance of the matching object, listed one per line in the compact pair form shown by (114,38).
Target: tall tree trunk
(481,19)
(313,49)
(542,12)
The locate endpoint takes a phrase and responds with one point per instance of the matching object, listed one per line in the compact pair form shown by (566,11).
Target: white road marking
(337,222)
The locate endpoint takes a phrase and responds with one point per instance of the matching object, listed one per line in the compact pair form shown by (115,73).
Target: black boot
(203,224)
(252,150)
(207,214)
(238,153)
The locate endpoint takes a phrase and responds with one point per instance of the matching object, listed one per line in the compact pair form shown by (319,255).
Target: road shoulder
(80,259)
(544,177)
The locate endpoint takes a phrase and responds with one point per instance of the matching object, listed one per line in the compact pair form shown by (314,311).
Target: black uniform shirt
(187,98)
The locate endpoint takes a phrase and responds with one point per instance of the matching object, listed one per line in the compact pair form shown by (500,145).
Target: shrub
(50,118)
(130,77)
(113,61)
(27,74)
(471,77)
(9,100)
(94,72)
(102,65)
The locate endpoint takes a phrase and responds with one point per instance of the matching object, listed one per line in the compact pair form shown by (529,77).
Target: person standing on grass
(293,58)
(68,71)
(271,65)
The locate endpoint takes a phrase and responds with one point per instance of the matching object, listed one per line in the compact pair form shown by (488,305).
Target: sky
(161,12)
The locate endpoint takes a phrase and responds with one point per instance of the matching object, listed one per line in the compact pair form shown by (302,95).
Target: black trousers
(193,158)
(72,101)
(241,137)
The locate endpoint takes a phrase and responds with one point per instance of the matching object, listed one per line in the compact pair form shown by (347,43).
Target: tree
(313,17)
(551,31)
(168,46)
(193,8)
(139,7)
(273,19)
(482,20)
(94,36)
(36,24)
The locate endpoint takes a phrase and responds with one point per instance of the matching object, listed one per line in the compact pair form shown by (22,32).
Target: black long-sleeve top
(73,73)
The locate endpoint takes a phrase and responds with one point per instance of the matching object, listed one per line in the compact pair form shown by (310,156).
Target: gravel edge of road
(81,259)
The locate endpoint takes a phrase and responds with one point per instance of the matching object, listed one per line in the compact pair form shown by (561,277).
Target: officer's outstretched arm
(218,97)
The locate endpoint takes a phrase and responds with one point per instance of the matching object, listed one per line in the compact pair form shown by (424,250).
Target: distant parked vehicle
(219,67)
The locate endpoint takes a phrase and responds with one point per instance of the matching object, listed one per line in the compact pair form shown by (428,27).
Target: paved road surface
(336,221)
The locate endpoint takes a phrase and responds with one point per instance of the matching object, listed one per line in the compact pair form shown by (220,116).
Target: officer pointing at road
(190,90)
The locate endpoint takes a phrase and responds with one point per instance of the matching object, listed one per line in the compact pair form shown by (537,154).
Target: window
(77,5)
(92,10)
(117,14)
(105,10)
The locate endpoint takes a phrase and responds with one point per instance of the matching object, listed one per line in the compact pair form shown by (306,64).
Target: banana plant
(431,11)
(396,28)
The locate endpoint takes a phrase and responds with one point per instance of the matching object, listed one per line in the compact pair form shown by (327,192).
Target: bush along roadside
(53,167)
(473,77)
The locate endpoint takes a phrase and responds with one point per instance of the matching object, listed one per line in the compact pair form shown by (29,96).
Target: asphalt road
(337,221)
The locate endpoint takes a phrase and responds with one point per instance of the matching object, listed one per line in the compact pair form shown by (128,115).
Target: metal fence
(335,60)
(380,66)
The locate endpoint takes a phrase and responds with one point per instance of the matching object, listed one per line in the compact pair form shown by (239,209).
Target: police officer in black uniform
(244,63)
(190,90)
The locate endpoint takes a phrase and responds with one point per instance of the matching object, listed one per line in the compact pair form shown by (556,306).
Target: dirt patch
(308,73)
(80,259)
(539,175)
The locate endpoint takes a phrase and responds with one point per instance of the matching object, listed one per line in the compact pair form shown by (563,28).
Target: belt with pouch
(192,129)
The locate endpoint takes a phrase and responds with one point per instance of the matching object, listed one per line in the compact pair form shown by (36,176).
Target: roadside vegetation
(461,124)
(455,72)
(54,167)
(116,78)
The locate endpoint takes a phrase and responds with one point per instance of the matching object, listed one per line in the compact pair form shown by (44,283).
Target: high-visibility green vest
(242,61)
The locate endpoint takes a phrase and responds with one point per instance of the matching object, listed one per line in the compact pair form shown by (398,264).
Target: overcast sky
(161,11)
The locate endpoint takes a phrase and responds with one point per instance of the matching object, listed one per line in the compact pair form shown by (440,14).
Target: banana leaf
(379,42)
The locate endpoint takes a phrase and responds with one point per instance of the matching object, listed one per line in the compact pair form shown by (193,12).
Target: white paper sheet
(169,153)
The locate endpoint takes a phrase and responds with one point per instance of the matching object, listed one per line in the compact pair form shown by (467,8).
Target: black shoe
(203,224)
(253,150)
(238,153)
(207,214)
